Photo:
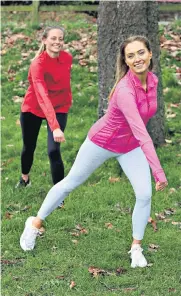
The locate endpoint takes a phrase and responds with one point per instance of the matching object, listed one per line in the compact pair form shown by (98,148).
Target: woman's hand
(58,135)
(160,186)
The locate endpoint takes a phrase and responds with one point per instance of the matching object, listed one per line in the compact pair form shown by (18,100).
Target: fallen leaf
(74,233)
(26,208)
(176,223)
(84,231)
(41,231)
(72,284)
(160,216)
(167,220)
(113,179)
(11,262)
(168,141)
(173,115)
(54,248)
(16,278)
(81,229)
(8,215)
(153,247)
(3,52)
(75,241)
(153,223)
(25,54)
(5,163)
(17,99)
(18,122)
(172,190)
(149,264)
(108,225)
(120,270)
(60,277)
(169,211)
(130,289)
(83,62)
(95,271)
(172,290)
(175,105)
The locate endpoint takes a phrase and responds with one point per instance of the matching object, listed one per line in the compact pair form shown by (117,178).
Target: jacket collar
(151,82)
(59,59)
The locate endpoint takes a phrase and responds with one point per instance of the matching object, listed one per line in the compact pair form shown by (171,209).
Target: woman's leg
(89,158)
(54,153)
(30,125)
(135,166)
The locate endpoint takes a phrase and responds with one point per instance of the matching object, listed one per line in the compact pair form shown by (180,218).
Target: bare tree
(118,20)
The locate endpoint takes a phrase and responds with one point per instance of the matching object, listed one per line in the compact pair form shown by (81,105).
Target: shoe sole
(22,243)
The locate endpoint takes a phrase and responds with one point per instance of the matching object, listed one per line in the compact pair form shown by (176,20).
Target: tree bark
(118,20)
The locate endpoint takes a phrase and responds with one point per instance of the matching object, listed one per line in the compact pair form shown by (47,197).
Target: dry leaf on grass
(75,241)
(8,215)
(153,223)
(176,223)
(109,225)
(153,247)
(95,271)
(113,179)
(60,277)
(72,284)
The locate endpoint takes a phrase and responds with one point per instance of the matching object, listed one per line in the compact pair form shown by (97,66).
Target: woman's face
(54,41)
(137,57)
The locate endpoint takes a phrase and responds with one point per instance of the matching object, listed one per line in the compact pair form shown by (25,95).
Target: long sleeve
(127,105)
(41,91)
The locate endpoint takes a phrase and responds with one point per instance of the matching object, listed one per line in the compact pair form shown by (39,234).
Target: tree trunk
(118,20)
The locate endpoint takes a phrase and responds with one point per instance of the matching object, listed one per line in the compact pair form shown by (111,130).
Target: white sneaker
(28,237)
(138,259)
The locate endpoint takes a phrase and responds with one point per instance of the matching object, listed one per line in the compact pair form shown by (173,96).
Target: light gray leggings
(89,158)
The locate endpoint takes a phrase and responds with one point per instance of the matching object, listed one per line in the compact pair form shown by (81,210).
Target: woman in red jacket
(48,97)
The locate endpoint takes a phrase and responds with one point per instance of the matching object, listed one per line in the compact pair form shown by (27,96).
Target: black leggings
(30,125)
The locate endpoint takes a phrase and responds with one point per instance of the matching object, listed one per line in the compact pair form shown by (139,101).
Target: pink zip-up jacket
(123,127)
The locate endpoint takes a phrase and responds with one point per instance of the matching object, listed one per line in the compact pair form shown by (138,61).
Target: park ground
(84,248)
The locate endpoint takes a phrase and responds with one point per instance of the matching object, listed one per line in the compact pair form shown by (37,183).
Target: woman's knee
(28,149)
(68,184)
(144,195)
(54,154)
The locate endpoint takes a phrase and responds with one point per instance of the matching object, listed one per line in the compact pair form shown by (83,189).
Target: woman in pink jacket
(121,133)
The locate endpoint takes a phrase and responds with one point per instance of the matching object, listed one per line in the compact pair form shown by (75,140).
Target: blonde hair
(121,66)
(45,35)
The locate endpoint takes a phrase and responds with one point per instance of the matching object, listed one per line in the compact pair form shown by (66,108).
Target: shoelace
(135,249)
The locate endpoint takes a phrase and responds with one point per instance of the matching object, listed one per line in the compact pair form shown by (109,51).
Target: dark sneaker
(61,206)
(22,183)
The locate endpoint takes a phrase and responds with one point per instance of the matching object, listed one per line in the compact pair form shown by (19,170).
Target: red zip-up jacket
(49,91)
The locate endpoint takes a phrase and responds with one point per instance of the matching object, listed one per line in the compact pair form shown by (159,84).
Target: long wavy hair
(44,36)
(121,66)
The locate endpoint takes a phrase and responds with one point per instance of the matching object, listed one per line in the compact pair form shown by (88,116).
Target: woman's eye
(141,52)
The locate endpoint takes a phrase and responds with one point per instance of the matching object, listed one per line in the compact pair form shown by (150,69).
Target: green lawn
(94,228)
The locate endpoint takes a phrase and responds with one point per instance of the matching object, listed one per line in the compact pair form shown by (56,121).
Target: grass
(61,257)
